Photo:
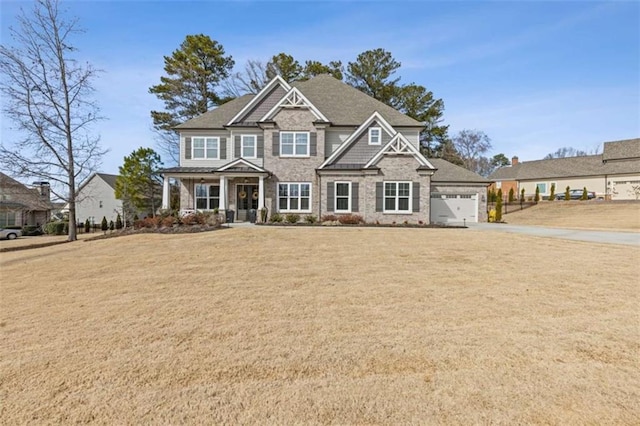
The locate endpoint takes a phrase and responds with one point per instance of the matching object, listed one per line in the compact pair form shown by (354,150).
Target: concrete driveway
(607,237)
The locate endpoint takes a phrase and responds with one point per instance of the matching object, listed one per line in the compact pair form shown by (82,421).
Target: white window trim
(208,197)
(335,197)
(379,129)
(206,143)
(294,133)
(255,146)
(384,197)
(546,187)
(309,210)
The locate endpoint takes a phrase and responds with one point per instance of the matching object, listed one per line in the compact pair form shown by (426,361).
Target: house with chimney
(612,175)
(22,205)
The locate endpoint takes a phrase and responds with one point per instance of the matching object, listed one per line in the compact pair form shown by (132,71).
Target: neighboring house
(317,147)
(97,199)
(21,205)
(615,174)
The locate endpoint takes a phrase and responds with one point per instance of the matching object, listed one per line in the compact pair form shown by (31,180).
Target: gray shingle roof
(448,172)
(339,102)
(625,149)
(21,196)
(218,117)
(110,179)
(345,105)
(189,170)
(590,165)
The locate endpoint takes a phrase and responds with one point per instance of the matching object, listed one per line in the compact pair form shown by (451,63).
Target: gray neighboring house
(318,147)
(614,174)
(21,205)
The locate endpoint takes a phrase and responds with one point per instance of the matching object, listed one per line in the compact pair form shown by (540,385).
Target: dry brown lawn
(321,325)
(619,216)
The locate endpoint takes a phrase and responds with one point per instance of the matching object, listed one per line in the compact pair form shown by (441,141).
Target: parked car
(576,194)
(10,234)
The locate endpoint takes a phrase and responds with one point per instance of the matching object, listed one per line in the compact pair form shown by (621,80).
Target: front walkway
(606,237)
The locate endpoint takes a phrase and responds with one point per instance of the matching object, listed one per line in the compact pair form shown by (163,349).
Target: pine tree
(552,194)
(512,195)
(87,226)
(499,208)
(522,195)
(585,194)
(537,197)
(104,225)
(567,194)
(111,226)
(118,222)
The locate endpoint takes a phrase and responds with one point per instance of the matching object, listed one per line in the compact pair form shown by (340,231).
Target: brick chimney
(514,160)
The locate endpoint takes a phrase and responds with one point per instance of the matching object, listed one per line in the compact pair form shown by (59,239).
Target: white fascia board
(243,162)
(276,80)
(412,149)
(374,117)
(307,102)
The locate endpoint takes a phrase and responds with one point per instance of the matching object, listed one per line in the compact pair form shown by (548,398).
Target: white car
(10,234)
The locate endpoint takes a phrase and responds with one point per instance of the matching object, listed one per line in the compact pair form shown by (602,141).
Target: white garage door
(449,208)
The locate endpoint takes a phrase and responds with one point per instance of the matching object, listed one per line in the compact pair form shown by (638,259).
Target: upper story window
(397,197)
(206,148)
(248,146)
(375,136)
(294,144)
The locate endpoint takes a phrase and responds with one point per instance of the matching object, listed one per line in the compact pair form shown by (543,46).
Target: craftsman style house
(21,205)
(317,147)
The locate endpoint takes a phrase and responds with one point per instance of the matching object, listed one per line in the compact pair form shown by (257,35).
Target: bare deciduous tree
(48,98)
(471,144)
(251,80)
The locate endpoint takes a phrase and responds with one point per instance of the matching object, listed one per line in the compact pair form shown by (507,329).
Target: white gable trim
(260,96)
(373,118)
(399,145)
(243,162)
(294,98)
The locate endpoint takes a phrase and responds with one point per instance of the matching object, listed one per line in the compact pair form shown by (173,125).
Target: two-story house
(316,147)
(21,205)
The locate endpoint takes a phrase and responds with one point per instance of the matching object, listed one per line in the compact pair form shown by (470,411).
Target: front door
(247,199)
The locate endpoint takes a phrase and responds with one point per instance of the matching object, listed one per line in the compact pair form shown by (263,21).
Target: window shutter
(313,144)
(223,148)
(260,147)
(187,148)
(330,196)
(237,147)
(379,196)
(276,144)
(355,192)
(416,196)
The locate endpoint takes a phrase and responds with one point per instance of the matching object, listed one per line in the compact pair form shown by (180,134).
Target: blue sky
(534,76)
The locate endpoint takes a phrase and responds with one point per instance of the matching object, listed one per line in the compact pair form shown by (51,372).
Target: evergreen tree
(585,194)
(118,222)
(552,194)
(111,226)
(512,195)
(87,226)
(104,225)
(567,194)
(499,210)
(537,196)
(522,195)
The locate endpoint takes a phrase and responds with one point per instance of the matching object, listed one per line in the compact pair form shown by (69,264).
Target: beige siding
(595,184)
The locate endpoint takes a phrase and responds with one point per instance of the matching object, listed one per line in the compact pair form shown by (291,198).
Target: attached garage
(448,208)
(457,194)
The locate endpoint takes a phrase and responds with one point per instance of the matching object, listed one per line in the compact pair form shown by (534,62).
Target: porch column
(223,193)
(165,193)
(261,192)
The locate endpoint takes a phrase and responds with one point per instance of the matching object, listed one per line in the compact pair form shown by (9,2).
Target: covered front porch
(237,191)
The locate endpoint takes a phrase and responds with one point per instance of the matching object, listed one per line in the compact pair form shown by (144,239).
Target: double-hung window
(375,136)
(248,146)
(206,148)
(294,197)
(397,197)
(294,144)
(207,196)
(343,197)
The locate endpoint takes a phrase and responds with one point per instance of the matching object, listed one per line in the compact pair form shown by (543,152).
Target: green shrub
(87,226)
(512,195)
(112,226)
(292,218)
(56,228)
(567,194)
(310,218)
(552,194)
(537,197)
(522,194)
(499,210)
(585,194)
(104,225)
(276,218)
(119,222)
